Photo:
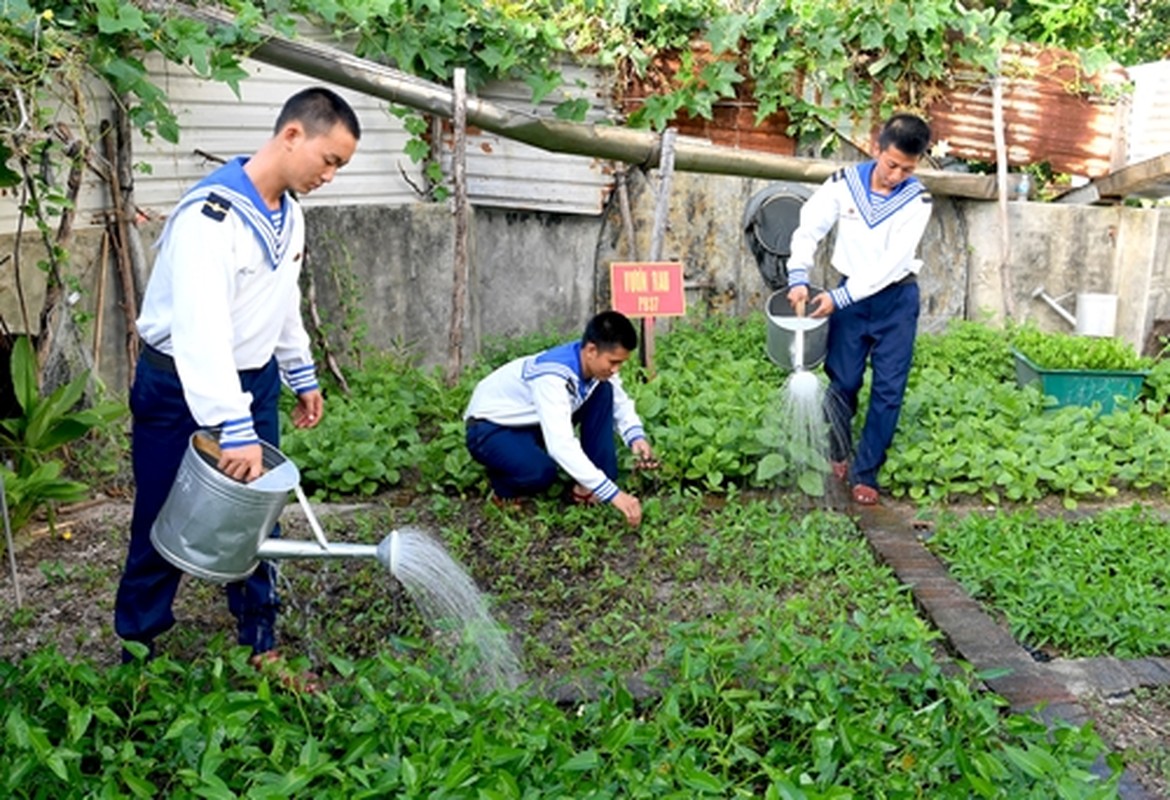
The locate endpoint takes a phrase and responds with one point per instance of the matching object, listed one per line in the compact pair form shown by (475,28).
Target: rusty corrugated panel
(1052,112)
(733,120)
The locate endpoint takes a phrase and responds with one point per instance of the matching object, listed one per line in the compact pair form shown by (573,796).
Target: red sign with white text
(648,288)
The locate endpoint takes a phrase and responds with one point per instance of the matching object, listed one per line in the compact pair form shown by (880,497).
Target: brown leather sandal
(865,495)
(505,503)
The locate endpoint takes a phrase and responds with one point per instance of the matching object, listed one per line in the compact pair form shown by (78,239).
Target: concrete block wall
(539,271)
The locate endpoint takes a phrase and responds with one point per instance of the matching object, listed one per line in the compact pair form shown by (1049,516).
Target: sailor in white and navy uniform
(521,417)
(221,330)
(880,212)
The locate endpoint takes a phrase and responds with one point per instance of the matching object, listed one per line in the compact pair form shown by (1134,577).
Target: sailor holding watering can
(880,211)
(220,328)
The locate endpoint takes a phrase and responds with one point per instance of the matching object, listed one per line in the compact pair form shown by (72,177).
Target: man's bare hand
(309,408)
(630,507)
(643,455)
(822,306)
(242,463)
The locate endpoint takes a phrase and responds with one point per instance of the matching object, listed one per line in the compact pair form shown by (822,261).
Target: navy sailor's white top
(877,235)
(546,390)
(223,296)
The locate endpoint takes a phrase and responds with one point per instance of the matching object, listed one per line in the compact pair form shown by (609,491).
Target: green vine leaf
(8,176)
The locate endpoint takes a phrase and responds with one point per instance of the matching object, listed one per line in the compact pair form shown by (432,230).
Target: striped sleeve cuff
(302,379)
(797,277)
(633,434)
(238,433)
(606,492)
(841,297)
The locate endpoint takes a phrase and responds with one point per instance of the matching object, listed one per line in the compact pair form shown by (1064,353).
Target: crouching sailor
(521,419)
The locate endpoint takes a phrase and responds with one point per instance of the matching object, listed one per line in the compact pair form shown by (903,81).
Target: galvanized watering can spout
(276,549)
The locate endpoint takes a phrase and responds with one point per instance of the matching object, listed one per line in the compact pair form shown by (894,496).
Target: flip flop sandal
(585,498)
(865,495)
(840,469)
(505,503)
(274,666)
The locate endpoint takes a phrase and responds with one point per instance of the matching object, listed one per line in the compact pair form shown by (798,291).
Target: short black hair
(907,132)
(318,109)
(610,330)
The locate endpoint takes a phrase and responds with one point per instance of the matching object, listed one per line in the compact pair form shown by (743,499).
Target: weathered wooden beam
(1149,178)
(638,147)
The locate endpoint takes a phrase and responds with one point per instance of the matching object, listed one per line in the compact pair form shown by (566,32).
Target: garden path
(1054,688)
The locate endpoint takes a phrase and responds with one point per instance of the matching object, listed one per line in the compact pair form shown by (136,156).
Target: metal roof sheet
(1052,112)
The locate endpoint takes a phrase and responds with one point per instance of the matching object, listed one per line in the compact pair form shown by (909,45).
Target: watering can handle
(211,449)
(207,446)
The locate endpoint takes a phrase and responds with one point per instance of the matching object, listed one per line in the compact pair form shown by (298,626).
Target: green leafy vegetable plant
(1052,350)
(46,425)
(1088,587)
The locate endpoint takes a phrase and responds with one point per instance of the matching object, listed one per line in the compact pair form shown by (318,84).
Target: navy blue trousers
(518,465)
(162,427)
(878,330)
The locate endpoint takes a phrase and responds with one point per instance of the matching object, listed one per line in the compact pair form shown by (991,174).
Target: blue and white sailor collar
(563,361)
(230,189)
(876,208)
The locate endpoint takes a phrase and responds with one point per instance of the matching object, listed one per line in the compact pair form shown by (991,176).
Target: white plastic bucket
(1096,314)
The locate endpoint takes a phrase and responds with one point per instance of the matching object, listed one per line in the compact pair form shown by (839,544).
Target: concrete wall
(529,272)
(705,231)
(540,271)
(1067,250)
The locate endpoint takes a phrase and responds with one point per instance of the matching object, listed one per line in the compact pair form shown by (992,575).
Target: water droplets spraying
(449,601)
(805,440)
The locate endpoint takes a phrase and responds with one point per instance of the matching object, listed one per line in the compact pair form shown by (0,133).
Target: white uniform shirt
(546,390)
(877,236)
(220,299)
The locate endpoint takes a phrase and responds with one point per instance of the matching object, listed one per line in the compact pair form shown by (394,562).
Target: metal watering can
(215,527)
(795,342)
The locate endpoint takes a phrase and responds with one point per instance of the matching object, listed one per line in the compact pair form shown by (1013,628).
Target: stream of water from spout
(448,600)
(802,418)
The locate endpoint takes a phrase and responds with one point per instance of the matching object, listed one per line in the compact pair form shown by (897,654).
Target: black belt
(158,359)
(911,278)
(471,422)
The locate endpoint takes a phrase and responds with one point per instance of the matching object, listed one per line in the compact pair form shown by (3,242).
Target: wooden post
(1001,157)
(661,212)
(462,229)
(119,237)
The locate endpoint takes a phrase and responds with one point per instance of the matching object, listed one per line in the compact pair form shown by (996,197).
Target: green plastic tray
(1073,387)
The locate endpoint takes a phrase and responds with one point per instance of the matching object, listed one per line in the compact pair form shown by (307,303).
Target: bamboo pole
(119,238)
(611,142)
(100,302)
(658,235)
